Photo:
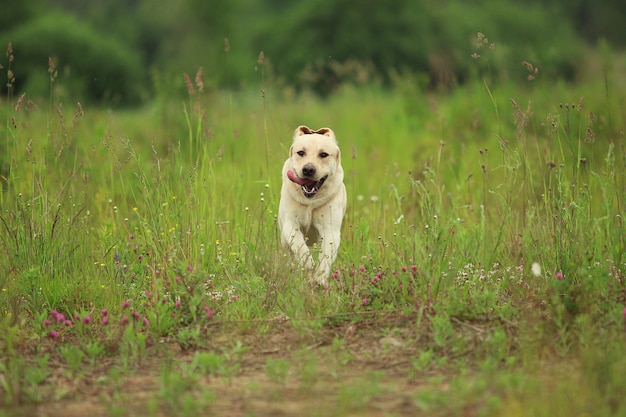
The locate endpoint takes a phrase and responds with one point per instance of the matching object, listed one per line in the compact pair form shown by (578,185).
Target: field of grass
(481,272)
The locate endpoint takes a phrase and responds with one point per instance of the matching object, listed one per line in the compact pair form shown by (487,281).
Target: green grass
(153,232)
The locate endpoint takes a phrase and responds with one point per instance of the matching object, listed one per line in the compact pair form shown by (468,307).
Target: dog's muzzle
(309,187)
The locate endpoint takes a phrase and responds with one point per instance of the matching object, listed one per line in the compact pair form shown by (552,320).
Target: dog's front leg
(293,238)
(330,247)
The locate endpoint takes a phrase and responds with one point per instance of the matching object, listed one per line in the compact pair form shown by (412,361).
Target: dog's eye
(323,155)
(301,153)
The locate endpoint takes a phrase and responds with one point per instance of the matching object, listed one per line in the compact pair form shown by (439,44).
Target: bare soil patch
(362,368)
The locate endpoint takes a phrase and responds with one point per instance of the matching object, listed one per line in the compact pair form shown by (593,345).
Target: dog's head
(314,159)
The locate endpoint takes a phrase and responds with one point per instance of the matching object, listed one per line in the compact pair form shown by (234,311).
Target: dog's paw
(308,264)
(319,279)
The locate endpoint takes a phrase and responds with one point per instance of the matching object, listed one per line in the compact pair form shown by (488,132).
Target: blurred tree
(312,35)
(310,41)
(592,20)
(598,19)
(322,43)
(15,13)
(90,67)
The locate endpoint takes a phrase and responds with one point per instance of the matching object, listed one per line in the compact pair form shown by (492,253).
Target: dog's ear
(326,132)
(303,130)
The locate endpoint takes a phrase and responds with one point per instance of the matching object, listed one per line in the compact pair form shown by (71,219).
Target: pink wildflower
(559,275)
(52,334)
(105,320)
(86,320)
(125,305)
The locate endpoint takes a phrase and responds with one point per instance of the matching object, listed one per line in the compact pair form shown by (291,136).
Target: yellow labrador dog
(313,200)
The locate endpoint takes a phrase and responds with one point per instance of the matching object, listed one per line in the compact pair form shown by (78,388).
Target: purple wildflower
(125,305)
(56,316)
(52,334)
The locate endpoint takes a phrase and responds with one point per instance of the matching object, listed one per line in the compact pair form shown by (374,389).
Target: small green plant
(357,395)
(340,353)
(73,357)
(35,375)
(189,337)
(277,370)
(11,379)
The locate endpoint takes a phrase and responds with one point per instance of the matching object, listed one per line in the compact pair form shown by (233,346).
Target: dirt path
(361,369)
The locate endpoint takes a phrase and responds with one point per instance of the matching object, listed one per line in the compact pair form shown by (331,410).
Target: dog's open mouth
(309,187)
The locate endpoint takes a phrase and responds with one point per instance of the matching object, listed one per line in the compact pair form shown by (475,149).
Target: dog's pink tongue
(297,180)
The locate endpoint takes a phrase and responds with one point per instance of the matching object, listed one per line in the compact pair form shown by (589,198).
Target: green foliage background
(315,44)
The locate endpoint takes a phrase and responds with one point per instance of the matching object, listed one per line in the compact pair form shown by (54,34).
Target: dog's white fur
(305,220)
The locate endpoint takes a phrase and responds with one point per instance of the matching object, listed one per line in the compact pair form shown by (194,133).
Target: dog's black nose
(308,170)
